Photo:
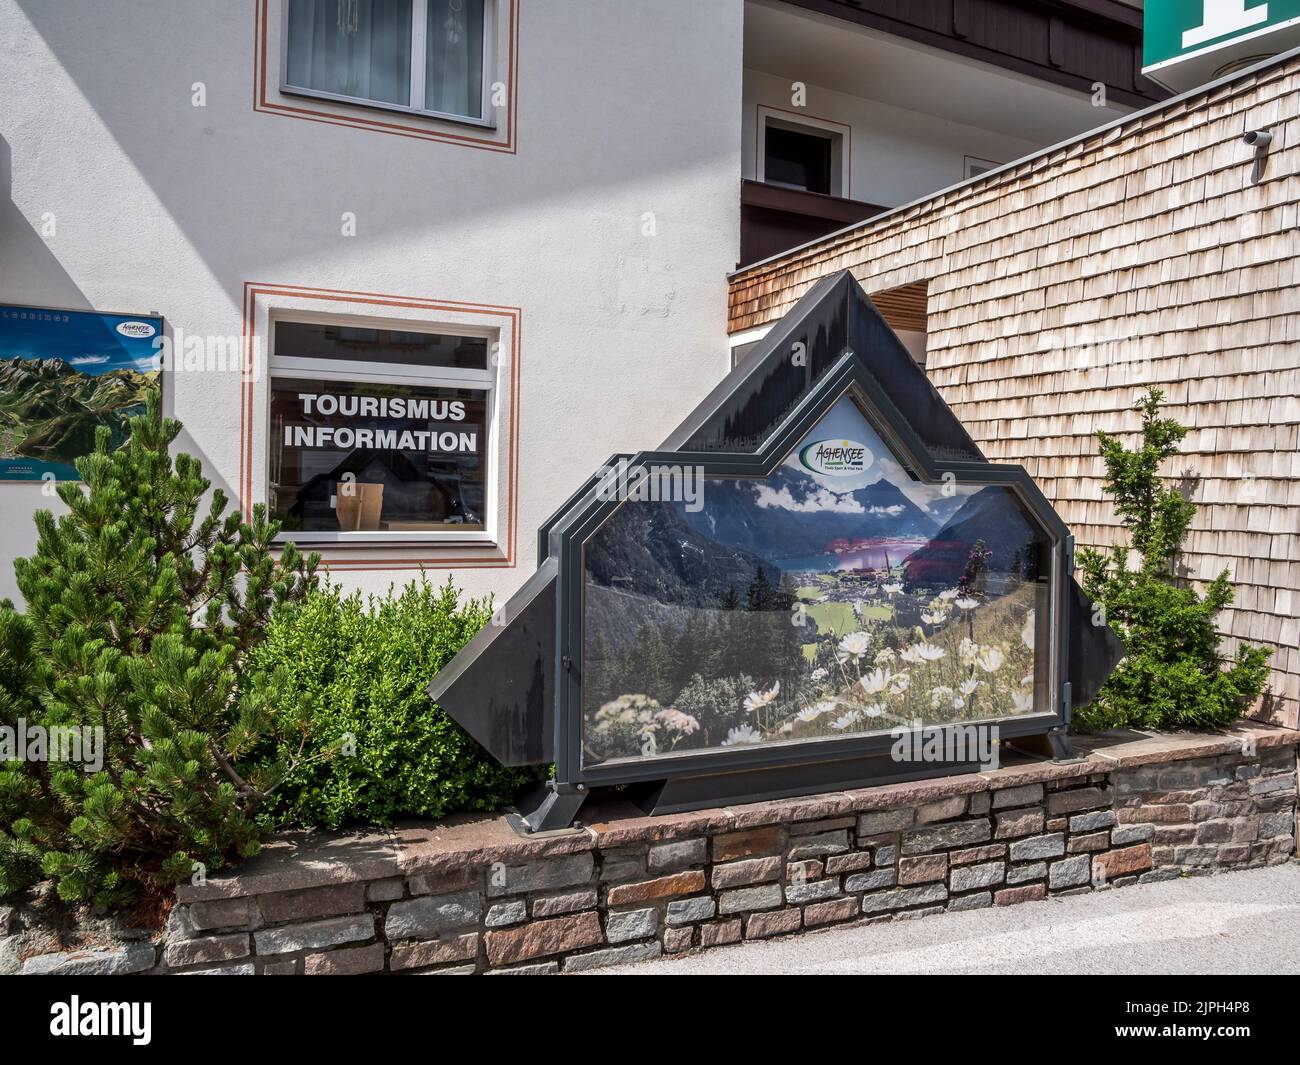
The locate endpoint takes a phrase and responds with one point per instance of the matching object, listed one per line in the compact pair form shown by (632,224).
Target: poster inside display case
(835,597)
(63,375)
(816,572)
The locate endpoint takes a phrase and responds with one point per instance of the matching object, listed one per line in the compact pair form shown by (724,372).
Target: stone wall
(469,896)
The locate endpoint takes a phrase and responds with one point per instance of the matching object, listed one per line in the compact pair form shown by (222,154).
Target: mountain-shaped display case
(817,570)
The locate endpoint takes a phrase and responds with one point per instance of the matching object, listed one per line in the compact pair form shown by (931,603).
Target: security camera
(1258,139)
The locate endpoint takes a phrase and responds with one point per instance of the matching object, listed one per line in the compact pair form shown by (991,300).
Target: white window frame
(365,372)
(419,21)
(840,135)
(973,166)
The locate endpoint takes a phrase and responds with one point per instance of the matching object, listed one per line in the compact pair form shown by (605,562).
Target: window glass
(357,48)
(372,457)
(453,78)
(797,160)
(349,343)
(836,597)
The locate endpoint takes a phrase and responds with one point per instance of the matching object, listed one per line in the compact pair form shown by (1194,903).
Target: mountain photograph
(62,375)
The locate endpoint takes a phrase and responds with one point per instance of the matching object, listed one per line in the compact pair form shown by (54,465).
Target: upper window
(424,56)
(379,431)
(798,160)
(802,152)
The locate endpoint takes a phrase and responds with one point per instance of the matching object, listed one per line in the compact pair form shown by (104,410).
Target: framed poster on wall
(63,374)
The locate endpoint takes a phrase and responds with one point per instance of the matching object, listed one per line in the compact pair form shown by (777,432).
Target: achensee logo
(836,458)
(103,1018)
(135,329)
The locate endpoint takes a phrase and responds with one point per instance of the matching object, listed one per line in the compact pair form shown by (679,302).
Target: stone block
(1123,834)
(720,933)
(1123,862)
(684,911)
(848,863)
(537,939)
(1049,846)
(923,869)
(979,901)
(762,925)
(1024,893)
(835,842)
(872,881)
(746,844)
(503,914)
(972,877)
(567,902)
(333,900)
(763,897)
(689,882)
(957,834)
(812,890)
(629,925)
(942,810)
(545,875)
(873,824)
(1068,802)
(315,935)
(1013,823)
(348,961)
(900,898)
(1088,842)
(822,913)
(1021,796)
(669,857)
(431,915)
(1019,874)
(613,956)
(207,950)
(1091,822)
(747,871)
(1071,872)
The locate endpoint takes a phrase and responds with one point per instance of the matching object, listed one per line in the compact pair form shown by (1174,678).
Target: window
(379,433)
(802,152)
(425,56)
(798,160)
(975,167)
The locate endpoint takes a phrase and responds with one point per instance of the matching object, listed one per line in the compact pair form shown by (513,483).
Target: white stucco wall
(896,154)
(159,205)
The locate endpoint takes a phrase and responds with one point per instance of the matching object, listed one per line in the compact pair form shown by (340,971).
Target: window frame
(840,135)
(291,367)
(419,23)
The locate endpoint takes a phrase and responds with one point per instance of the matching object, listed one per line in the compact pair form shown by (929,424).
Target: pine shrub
(142,610)
(1172,676)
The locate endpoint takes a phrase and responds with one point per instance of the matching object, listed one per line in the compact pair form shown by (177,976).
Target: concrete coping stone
(300,860)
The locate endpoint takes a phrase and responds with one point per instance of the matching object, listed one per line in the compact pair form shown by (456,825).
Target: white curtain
(359,48)
(454,57)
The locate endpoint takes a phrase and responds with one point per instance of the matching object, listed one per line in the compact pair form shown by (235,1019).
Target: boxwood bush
(359,668)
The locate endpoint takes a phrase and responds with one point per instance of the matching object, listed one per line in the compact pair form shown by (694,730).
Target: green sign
(1179,29)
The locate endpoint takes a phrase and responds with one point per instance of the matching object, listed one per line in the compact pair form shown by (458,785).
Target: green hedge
(359,670)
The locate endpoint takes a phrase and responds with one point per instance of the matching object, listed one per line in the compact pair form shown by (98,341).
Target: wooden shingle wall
(1059,290)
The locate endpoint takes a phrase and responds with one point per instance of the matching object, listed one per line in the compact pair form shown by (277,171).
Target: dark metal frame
(517,685)
(848,378)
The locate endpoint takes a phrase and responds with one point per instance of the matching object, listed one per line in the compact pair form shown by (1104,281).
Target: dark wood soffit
(1044,39)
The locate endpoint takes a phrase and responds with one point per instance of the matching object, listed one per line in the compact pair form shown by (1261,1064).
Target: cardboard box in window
(357,506)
